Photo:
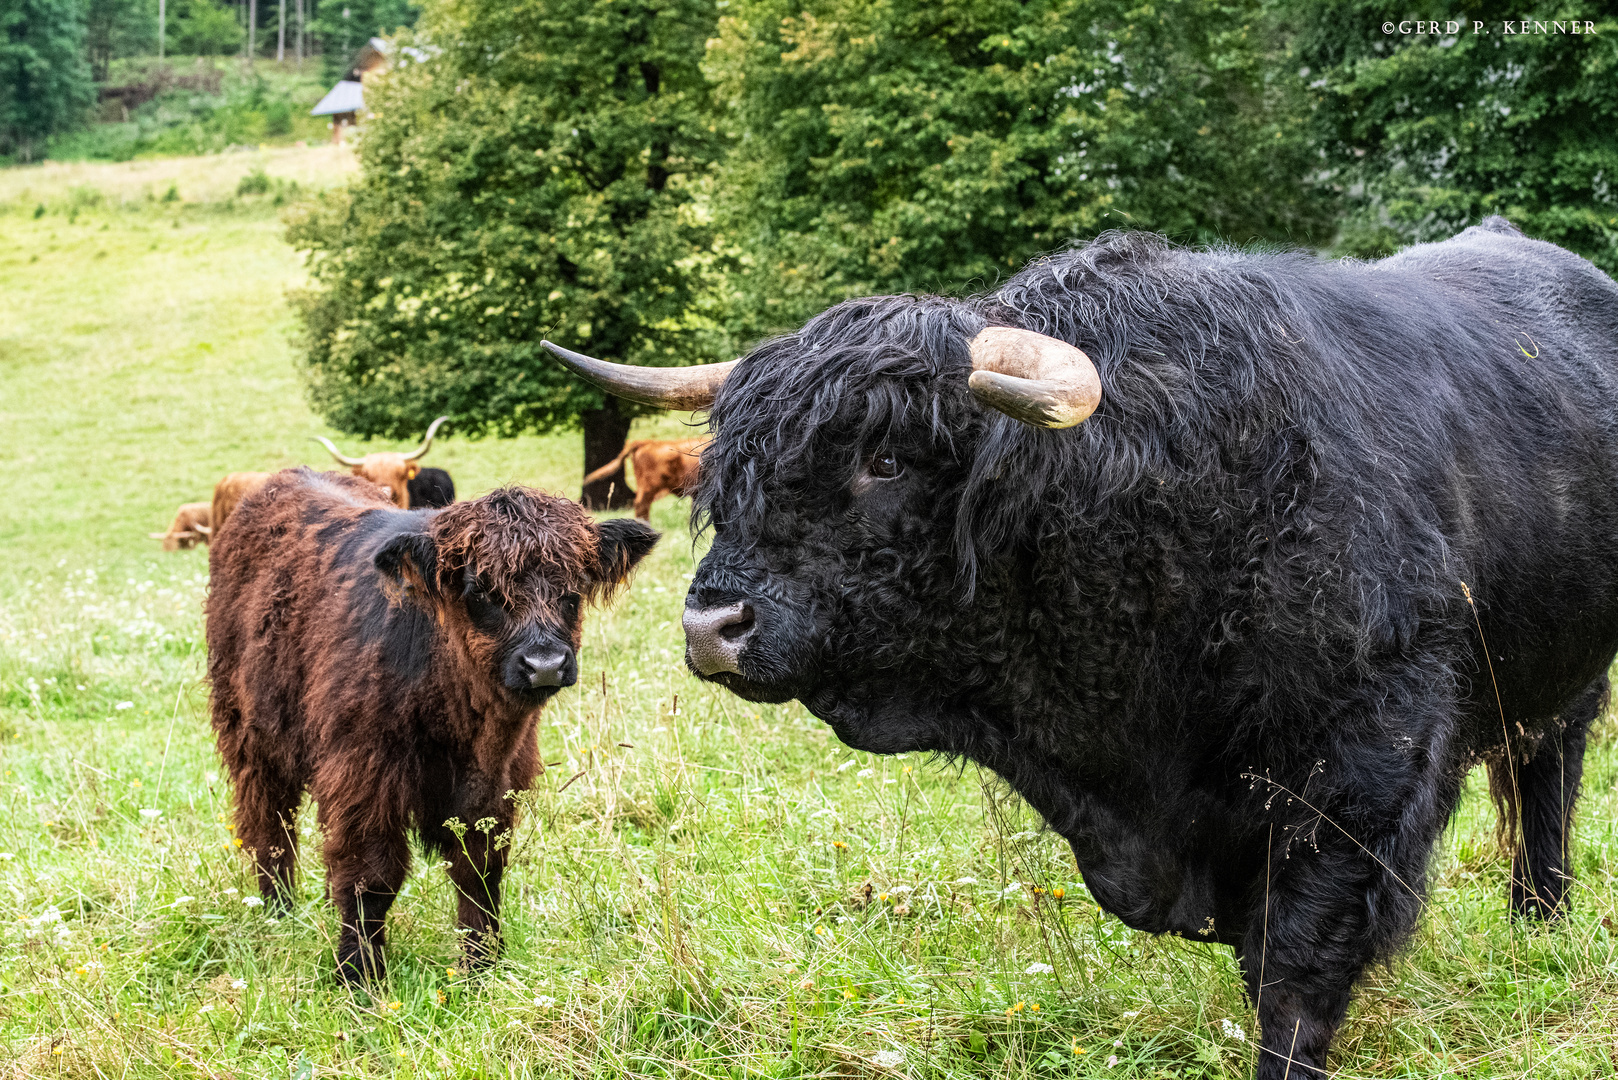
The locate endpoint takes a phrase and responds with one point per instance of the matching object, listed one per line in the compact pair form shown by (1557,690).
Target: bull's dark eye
(570,606)
(885,466)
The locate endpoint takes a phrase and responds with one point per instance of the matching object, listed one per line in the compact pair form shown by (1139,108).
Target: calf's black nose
(716,636)
(550,667)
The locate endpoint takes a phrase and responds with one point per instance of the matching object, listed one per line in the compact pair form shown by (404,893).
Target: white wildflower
(7,856)
(151,815)
(865,774)
(230,892)
(1112,1060)
(1233,1031)
(1037,968)
(888,1059)
(238,984)
(849,764)
(205,1008)
(212,778)
(544,1001)
(966,881)
(253,901)
(122,705)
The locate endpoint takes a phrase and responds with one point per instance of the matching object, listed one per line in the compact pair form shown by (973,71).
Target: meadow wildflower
(1112,1060)
(888,1059)
(1233,1031)
(238,984)
(1036,968)
(544,1001)
(395,1006)
(1058,892)
(253,901)
(150,814)
(839,845)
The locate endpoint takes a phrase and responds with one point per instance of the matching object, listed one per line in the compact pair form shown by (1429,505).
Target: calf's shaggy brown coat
(393,664)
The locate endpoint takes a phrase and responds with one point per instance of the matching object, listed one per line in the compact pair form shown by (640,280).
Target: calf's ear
(624,542)
(411,558)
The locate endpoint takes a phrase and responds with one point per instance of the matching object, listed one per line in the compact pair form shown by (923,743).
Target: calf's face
(507,576)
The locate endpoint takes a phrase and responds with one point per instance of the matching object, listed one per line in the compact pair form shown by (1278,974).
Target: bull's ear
(624,542)
(410,558)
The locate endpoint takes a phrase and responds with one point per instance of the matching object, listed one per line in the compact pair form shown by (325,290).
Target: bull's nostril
(716,636)
(740,627)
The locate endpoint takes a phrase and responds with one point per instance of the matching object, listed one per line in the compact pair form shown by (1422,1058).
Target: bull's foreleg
(1546,789)
(364,874)
(1335,900)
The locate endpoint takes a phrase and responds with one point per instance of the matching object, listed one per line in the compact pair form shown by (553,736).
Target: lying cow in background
(394,665)
(393,471)
(189,526)
(1226,634)
(230,491)
(662,467)
(430,488)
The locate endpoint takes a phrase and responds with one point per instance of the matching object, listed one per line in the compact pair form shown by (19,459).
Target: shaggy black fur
(1226,636)
(430,488)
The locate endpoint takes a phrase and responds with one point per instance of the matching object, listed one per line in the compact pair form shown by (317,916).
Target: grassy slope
(689,904)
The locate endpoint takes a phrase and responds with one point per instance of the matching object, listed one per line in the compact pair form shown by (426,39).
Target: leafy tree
(938,146)
(202,28)
(45,85)
(540,173)
(1427,133)
(117,28)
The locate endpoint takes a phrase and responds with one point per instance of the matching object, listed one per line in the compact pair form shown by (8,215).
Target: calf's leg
(1544,793)
(364,873)
(477,862)
(266,824)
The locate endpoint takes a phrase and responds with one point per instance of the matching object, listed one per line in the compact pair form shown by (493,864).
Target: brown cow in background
(392,470)
(189,526)
(662,467)
(230,491)
(394,665)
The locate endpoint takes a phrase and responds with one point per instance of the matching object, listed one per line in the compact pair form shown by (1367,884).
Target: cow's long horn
(342,458)
(428,441)
(1033,378)
(205,530)
(682,388)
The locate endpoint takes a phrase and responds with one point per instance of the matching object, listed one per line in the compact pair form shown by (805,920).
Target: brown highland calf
(393,664)
(662,467)
(190,525)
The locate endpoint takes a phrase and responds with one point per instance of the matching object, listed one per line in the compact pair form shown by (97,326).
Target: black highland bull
(1226,635)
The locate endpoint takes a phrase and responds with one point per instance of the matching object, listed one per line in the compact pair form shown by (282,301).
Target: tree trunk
(604,434)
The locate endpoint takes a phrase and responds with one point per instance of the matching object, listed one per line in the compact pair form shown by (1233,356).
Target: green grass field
(701,888)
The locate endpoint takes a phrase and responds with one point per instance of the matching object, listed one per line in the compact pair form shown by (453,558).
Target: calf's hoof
(356,967)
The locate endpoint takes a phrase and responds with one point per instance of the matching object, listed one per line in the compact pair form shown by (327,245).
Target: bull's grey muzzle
(716,636)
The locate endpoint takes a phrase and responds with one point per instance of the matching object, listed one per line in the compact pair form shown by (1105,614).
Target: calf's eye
(570,606)
(885,466)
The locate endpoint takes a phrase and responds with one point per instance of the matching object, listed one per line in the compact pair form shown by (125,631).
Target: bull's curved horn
(428,441)
(1033,378)
(682,388)
(342,458)
(205,530)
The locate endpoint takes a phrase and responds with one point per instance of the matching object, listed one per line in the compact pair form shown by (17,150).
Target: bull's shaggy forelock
(523,545)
